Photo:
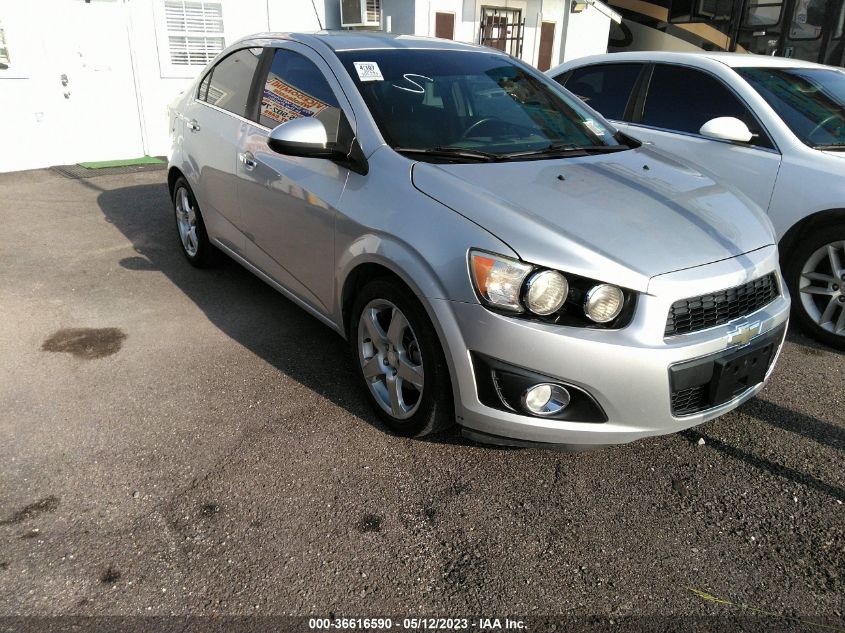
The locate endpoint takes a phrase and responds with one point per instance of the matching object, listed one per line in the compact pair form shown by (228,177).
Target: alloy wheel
(822,287)
(186,219)
(390,358)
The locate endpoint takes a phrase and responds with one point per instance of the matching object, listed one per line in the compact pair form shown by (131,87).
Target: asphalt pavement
(182,441)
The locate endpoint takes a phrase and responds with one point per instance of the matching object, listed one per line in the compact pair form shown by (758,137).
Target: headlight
(553,296)
(545,292)
(498,279)
(603,303)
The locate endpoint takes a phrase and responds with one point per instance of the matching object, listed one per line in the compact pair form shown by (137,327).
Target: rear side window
(296,88)
(605,87)
(684,99)
(228,84)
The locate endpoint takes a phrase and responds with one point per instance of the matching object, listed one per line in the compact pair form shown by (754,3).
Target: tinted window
(230,81)
(605,87)
(811,101)
(684,99)
(425,99)
(202,92)
(296,88)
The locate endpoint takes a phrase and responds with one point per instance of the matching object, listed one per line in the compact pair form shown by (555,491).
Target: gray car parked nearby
(497,254)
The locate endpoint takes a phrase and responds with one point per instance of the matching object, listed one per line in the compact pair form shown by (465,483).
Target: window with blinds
(4,49)
(194,31)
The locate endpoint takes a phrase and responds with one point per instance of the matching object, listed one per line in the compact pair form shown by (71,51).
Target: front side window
(683,99)
(227,85)
(296,88)
(605,87)
(426,99)
(811,101)
(808,18)
(765,13)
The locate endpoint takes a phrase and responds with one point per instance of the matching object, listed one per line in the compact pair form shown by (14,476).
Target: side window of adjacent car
(605,87)
(683,99)
(295,88)
(227,84)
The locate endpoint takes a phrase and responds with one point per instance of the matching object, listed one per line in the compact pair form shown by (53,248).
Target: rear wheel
(398,355)
(815,275)
(196,246)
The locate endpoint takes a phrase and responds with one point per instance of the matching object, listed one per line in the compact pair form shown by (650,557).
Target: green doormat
(128,162)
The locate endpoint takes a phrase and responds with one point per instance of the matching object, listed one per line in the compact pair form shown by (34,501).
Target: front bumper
(626,371)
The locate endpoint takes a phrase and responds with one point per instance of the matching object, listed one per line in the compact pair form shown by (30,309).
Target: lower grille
(717,308)
(690,400)
(705,383)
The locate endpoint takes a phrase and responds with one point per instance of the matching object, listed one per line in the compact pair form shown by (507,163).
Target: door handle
(247,160)
(193,125)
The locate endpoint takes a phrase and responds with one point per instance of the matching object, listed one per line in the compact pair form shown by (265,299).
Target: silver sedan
(497,254)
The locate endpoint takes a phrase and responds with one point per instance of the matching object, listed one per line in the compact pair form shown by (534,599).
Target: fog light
(545,399)
(604,303)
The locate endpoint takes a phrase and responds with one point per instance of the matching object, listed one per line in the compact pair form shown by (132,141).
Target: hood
(621,218)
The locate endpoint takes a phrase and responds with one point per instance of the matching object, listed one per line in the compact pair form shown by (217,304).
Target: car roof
(703,58)
(370,40)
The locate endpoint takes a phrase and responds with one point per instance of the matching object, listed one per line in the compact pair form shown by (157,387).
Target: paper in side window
(368,71)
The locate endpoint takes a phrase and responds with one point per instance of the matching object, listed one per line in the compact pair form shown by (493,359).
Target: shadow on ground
(245,308)
(259,318)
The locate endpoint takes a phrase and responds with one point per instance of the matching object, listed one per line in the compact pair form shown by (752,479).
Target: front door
(91,82)
(678,102)
(288,203)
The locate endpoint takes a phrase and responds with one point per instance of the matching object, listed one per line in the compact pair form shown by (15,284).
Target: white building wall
(587,32)
(120,79)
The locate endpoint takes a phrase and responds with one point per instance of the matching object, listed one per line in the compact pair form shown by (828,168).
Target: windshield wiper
(836,147)
(561,150)
(449,153)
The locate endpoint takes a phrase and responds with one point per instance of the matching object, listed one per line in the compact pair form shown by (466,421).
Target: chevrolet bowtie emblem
(742,334)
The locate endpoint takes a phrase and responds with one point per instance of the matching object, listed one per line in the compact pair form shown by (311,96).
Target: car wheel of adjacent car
(398,355)
(815,275)
(192,234)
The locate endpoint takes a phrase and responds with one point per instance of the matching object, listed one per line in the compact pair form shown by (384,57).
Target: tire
(190,227)
(821,315)
(390,361)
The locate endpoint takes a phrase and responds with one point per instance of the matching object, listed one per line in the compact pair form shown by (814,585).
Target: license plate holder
(740,371)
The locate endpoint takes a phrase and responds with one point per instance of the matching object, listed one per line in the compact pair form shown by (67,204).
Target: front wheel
(815,275)
(399,358)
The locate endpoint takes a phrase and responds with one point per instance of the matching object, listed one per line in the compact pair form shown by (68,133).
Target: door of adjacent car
(607,88)
(671,108)
(214,123)
(288,203)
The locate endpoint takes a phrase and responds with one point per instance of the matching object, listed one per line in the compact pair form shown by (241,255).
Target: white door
(679,101)
(90,82)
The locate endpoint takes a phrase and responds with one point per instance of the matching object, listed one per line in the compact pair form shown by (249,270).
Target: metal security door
(503,29)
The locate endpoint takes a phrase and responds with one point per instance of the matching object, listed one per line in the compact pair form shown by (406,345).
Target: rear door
(214,126)
(677,101)
(607,88)
(288,203)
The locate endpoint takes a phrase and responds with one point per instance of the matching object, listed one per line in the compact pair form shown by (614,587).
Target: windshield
(811,101)
(473,103)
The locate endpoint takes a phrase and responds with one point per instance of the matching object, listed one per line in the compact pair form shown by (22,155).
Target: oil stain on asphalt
(86,343)
(47,504)
(370,523)
(110,575)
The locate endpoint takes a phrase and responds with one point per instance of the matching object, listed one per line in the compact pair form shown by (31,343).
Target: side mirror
(305,137)
(727,128)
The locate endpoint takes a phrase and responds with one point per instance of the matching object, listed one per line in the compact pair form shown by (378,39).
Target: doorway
(90,82)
